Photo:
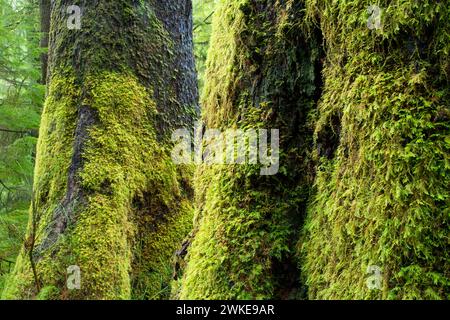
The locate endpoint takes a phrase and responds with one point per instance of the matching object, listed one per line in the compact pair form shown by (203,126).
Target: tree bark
(110,199)
(44,6)
(263,73)
(378,224)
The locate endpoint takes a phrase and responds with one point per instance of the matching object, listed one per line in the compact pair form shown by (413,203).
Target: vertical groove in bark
(262,74)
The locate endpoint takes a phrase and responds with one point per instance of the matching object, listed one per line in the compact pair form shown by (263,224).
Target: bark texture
(44,9)
(382,196)
(263,72)
(107,195)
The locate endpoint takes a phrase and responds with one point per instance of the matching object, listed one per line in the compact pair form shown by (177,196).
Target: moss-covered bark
(44,11)
(262,73)
(382,196)
(107,196)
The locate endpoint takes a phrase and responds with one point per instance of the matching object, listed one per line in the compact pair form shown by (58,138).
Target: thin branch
(32,242)
(13,131)
(5,186)
(31,132)
(204,21)
(7,261)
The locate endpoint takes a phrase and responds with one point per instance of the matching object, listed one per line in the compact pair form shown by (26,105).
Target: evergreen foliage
(21,99)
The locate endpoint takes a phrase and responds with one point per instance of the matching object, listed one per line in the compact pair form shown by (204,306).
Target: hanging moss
(56,140)
(261,73)
(381,193)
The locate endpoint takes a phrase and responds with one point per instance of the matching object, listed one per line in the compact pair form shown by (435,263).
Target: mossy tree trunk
(44,9)
(382,201)
(262,73)
(107,196)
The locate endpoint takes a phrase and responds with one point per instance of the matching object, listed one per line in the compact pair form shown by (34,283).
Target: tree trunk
(378,226)
(108,197)
(44,6)
(263,73)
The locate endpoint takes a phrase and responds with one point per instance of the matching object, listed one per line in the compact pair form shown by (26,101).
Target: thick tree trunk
(108,197)
(378,226)
(263,73)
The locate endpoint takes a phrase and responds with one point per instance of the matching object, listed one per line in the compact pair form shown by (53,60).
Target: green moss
(124,168)
(382,193)
(48,293)
(54,151)
(152,277)
(108,197)
(246,225)
(12,230)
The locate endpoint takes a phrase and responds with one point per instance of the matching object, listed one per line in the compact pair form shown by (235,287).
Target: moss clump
(54,151)
(382,193)
(153,273)
(246,225)
(124,167)
(107,196)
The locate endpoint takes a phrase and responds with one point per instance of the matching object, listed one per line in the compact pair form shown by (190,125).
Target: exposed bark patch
(65,213)
(328,138)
